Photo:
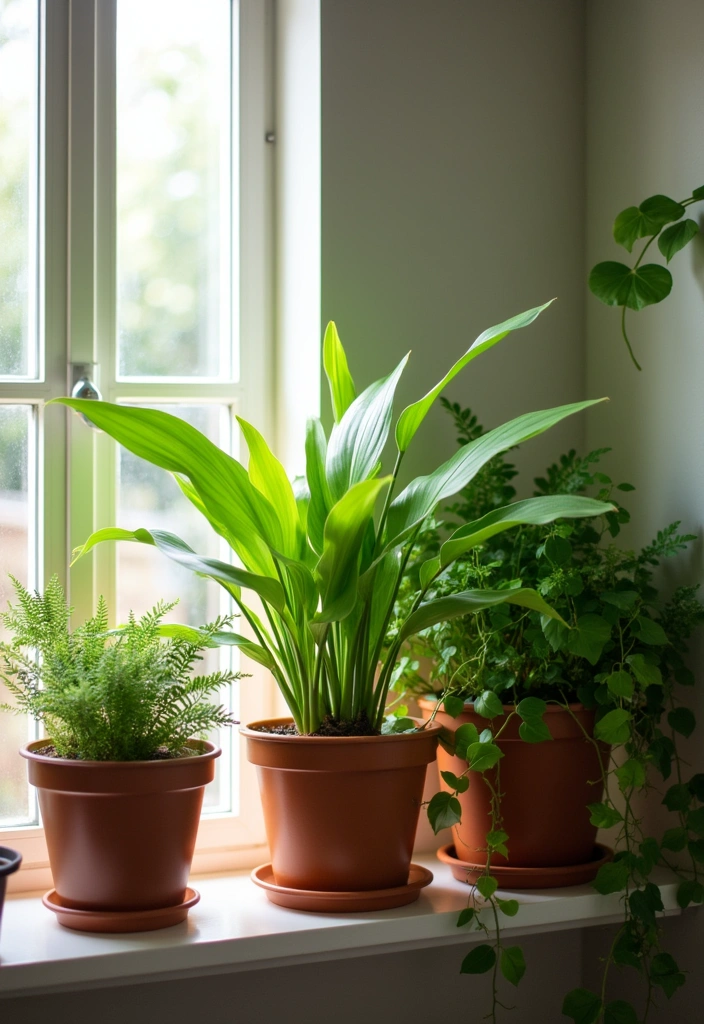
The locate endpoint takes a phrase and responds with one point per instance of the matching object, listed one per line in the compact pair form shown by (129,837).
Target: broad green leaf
(444,811)
(384,576)
(698,193)
(618,285)
(621,684)
(487,886)
(497,841)
(604,816)
(559,550)
(320,499)
(482,756)
(488,705)
(677,798)
(413,415)
(534,730)
(649,632)
(611,878)
(645,673)
(338,568)
(661,210)
(676,237)
(688,892)
(464,737)
(454,706)
(682,720)
(357,441)
(513,964)
(582,1006)
(587,639)
(647,219)
(623,599)
(674,839)
(468,602)
(620,1012)
(629,226)
(531,511)
(457,783)
(342,390)
(665,973)
(466,916)
(222,484)
(630,775)
(613,728)
(270,590)
(269,477)
(531,707)
(508,907)
(421,496)
(480,960)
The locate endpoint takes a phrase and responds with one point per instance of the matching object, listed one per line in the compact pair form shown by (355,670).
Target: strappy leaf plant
(326,557)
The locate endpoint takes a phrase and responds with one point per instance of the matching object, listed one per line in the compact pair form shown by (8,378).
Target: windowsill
(235,928)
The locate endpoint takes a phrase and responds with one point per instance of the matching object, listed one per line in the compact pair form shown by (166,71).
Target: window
(136,217)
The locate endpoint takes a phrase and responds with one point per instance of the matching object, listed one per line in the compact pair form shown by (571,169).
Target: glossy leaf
(454,706)
(413,415)
(468,602)
(613,728)
(457,783)
(615,284)
(269,477)
(480,960)
(487,886)
(676,237)
(320,498)
(466,916)
(621,684)
(464,736)
(513,964)
(482,756)
(342,390)
(488,705)
(534,730)
(444,811)
(531,707)
(611,878)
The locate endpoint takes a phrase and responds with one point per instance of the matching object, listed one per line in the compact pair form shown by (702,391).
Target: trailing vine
(617,284)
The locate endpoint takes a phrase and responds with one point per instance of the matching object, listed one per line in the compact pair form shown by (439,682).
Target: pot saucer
(513,877)
(120,920)
(342,902)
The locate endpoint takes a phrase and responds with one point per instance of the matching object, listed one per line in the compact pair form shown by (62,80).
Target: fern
(120,695)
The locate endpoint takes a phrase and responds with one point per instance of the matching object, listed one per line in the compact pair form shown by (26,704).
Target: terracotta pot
(121,834)
(340,812)
(545,789)
(10,860)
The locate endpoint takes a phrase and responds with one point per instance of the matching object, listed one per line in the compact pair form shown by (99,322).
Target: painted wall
(452,192)
(645,135)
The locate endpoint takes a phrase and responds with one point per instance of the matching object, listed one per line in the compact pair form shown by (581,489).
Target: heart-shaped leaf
(676,237)
(615,284)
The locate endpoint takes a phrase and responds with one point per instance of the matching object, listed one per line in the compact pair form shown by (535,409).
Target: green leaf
(682,720)
(466,916)
(496,841)
(623,599)
(613,728)
(645,903)
(630,775)
(482,756)
(342,390)
(676,237)
(688,892)
(357,441)
(620,1012)
(270,479)
(338,568)
(587,639)
(513,964)
(698,193)
(604,816)
(418,500)
(488,705)
(665,973)
(674,839)
(621,684)
(320,498)
(696,786)
(531,707)
(487,886)
(534,730)
(647,219)
(649,632)
(457,783)
(660,210)
(454,706)
(677,798)
(611,877)
(629,226)
(508,907)
(615,284)
(444,811)
(413,415)
(480,960)
(559,550)
(556,633)
(466,735)
(582,1006)
(469,602)
(645,673)
(531,511)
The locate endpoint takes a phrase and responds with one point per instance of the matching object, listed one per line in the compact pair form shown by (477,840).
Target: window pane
(16,536)
(149,497)
(173,188)
(19,82)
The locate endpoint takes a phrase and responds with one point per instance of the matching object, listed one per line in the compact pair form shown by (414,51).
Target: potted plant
(342,781)
(121,774)
(569,725)
(10,861)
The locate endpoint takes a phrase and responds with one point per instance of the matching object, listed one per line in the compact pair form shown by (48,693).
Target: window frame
(77,309)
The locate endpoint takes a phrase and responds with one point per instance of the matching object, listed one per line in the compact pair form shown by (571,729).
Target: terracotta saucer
(342,902)
(120,920)
(510,877)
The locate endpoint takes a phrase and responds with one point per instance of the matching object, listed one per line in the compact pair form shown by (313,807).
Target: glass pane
(173,188)
(16,437)
(19,80)
(149,497)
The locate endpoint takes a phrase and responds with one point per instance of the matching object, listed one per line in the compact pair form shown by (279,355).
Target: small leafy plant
(110,695)
(322,558)
(623,656)
(617,284)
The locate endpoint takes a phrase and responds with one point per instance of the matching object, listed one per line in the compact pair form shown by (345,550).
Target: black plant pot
(10,860)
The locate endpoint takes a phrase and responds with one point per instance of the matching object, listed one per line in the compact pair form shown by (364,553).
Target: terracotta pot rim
(328,741)
(32,751)
(469,705)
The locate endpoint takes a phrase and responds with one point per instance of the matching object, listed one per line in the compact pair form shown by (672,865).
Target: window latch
(83,386)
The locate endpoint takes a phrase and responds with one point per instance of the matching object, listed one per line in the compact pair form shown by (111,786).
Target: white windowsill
(235,928)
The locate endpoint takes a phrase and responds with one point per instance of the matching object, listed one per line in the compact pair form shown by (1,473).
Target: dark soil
(329,727)
(160,754)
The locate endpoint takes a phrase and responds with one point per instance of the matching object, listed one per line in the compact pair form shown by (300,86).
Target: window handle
(82,385)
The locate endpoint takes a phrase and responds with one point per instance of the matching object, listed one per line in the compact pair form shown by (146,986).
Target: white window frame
(77,283)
